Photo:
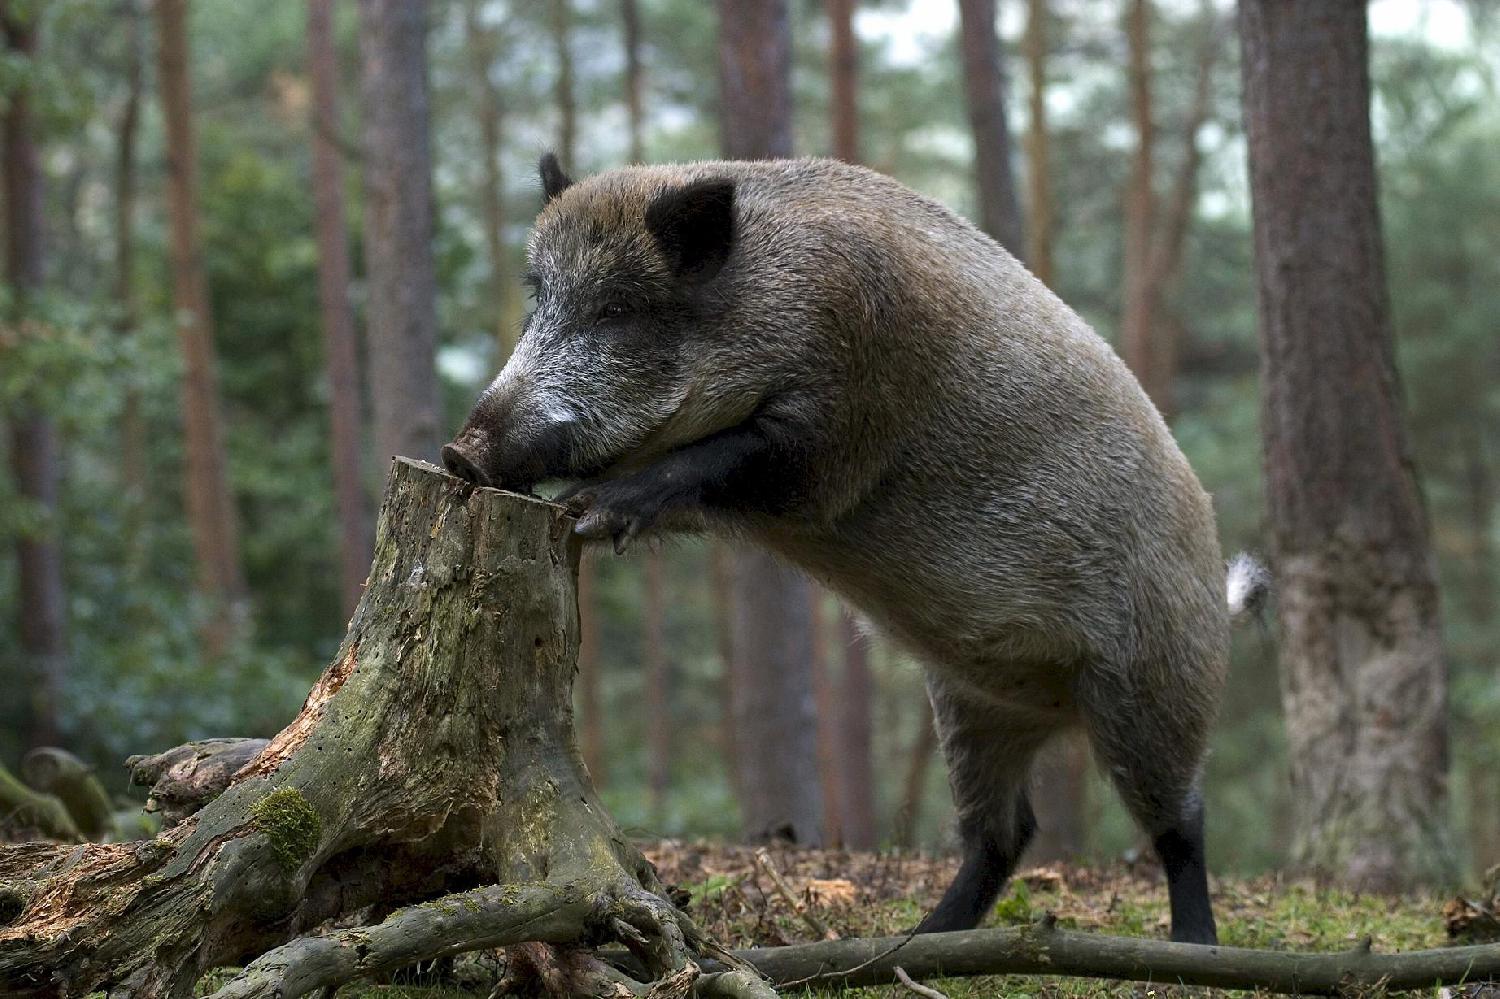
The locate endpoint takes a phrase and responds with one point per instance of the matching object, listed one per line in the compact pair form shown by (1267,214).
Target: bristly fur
(809,355)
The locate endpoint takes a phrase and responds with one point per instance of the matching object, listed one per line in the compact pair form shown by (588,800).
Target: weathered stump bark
(434,760)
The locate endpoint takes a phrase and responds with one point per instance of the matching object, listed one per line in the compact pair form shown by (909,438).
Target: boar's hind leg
(1154,752)
(989,754)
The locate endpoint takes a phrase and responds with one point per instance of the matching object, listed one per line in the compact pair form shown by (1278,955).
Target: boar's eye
(614,310)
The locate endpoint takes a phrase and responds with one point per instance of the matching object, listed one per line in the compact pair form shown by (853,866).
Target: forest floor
(863,894)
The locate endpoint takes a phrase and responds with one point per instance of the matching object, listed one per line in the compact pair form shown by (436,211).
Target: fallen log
(433,762)
(184,779)
(25,812)
(1044,949)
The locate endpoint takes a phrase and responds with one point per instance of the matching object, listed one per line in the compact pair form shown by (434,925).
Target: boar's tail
(1248,587)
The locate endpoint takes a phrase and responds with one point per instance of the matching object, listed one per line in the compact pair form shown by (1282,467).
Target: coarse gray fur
(856,378)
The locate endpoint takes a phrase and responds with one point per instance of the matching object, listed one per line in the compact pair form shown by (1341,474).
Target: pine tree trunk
(826,703)
(630,18)
(210,506)
(1140,309)
(984,91)
(133,470)
(1364,681)
(34,457)
(658,685)
(1039,234)
(482,43)
(771,685)
(339,339)
(844,83)
(401,321)
(856,706)
(914,784)
(434,756)
(566,100)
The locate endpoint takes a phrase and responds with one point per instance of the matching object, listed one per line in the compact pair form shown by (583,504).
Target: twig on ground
(799,906)
(919,989)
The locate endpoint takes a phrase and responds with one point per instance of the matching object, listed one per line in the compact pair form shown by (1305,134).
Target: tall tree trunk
(483,47)
(855,750)
(984,92)
(914,784)
(844,58)
(1038,175)
(132,420)
(771,689)
(721,571)
(775,718)
(210,507)
(1364,684)
(401,322)
(630,17)
(590,706)
(1142,294)
(658,685)
(567,103)
(826,703)
(339,338)
(34,457)
(755,70)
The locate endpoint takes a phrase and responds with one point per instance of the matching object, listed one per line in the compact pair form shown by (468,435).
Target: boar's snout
(459,459)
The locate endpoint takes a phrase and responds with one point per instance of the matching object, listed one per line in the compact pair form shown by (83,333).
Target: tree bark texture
(435,755)
(210,506)
(35,461)
(844,69)
(1364,684)
(755,79)
(401,324)
(984,93)
(340,342)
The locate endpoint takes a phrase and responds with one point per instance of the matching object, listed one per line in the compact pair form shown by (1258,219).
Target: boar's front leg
(752,468)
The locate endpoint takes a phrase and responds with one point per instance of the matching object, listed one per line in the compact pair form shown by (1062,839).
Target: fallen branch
(26,812)
(184,779)
(1043,949)
(799,905)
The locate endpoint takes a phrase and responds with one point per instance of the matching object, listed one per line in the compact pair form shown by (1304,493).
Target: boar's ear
(694,226)
(554,181)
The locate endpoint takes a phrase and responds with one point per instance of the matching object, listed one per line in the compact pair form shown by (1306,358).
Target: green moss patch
(290,823)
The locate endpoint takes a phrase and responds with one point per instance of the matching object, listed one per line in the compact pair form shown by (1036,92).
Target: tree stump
(433,766)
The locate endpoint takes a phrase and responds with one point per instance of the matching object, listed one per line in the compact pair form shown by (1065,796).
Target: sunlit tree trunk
(1364,684)
(401,323)
(34,455)
(339,338)
(771,687)
(482,42)
(984,91)
(630,17)
(210,507)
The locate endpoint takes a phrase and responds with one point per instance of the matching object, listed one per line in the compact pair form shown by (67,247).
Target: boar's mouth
(476,458)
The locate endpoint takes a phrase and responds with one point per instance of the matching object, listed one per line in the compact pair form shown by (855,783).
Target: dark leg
(1180,849)
(989,753)
(988,864)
